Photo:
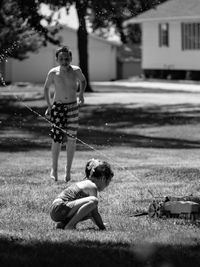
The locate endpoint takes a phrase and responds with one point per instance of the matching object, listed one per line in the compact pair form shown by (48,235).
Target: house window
(163,34)
(190,34)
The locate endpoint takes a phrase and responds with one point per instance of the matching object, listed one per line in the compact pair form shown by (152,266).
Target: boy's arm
(48,82)
(83,84)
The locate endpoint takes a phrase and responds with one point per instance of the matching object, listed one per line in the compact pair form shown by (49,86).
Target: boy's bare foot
(54,175)
(67,177)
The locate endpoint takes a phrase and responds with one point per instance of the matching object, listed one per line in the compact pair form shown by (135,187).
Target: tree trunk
(119,23)
(81,7)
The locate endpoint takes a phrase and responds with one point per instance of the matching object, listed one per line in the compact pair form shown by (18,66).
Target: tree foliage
(14,33)
(20,29)
(112,13)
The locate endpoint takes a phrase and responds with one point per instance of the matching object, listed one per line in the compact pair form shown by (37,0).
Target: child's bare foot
(60,225)
(54,175)
(70,227)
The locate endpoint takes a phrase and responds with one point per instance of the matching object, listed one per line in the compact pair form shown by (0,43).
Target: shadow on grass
(17,252)
(101,125)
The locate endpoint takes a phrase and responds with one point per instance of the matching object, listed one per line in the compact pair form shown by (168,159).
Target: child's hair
(63,49)
(97,168)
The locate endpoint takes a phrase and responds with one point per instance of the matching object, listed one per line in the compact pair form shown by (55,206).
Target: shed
(102,60)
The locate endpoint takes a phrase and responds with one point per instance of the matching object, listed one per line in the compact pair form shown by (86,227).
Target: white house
(102,60)
(171,39)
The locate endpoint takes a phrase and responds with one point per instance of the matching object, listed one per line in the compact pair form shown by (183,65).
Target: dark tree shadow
(18,252)
(100,125)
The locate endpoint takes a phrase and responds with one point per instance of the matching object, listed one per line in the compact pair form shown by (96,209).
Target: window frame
(190,36)
(163,34)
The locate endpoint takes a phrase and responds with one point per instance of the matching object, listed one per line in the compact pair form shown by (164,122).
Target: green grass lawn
(151,147)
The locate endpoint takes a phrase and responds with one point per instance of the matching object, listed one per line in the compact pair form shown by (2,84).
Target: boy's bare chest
(65,78)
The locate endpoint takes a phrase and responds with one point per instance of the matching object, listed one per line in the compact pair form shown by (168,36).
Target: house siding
(32,69)
(167,58)
(101,55)
(102,61)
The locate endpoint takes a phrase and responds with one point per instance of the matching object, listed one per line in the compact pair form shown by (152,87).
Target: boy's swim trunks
(64,119)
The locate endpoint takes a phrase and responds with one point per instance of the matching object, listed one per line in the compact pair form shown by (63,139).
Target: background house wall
(32,69)
(129,68)
(102,56)
(102,60)
(167,58)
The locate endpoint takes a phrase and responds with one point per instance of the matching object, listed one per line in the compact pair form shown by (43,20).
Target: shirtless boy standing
(63,112)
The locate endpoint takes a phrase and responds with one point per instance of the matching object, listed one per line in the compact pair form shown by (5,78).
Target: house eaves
(140,20)
(169,10)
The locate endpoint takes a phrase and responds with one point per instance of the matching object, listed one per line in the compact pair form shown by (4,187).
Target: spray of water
(78,139)
(3,57)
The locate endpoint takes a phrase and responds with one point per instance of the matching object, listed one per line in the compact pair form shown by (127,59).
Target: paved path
(184,86)
(129,92)
(144,93)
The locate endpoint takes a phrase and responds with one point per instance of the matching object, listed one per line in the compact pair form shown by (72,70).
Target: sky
(62,17)
(71,19)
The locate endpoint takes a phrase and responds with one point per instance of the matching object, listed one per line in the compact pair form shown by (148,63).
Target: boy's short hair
(63,49)
(97,168)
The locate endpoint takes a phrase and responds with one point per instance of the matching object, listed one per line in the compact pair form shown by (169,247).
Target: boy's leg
(81,208)
(72,117)
(70,149)
(55,150)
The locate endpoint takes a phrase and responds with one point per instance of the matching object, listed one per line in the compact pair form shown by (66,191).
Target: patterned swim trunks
(64,119)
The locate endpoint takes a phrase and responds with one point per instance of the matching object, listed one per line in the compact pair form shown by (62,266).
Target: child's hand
(103,227)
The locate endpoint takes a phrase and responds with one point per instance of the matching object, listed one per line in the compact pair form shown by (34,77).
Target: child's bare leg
(81,209)
(55,150)
(70,148)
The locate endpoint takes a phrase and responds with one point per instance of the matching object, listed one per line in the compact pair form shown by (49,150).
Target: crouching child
(79,201)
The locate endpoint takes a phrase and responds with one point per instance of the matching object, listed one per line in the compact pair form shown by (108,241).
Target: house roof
(93,36)
(90,35)
(170,10)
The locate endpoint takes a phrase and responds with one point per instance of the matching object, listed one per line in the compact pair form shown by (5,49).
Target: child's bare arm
(97,219)
(95,213)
